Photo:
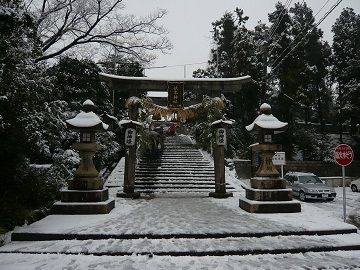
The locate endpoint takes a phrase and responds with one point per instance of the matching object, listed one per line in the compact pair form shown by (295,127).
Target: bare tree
(63,25)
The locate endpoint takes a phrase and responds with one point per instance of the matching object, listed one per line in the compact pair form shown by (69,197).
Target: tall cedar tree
(313,55)
(346,68)
(23,90)
(285,73)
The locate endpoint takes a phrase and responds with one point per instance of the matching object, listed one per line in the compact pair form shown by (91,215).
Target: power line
(279,19)
(322,8)
(305,25)
(298,34)
(315,26)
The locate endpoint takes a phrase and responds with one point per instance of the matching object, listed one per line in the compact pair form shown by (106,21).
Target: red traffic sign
(343,155)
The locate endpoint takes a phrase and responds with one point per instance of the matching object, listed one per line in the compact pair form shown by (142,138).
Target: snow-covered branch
(63,25)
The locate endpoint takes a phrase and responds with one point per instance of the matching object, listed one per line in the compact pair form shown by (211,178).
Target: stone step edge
(178,182)
(24,236)
(169,177)
(204,253)
(180,166)
(183,191)
(166,188)
(160,176)
(176,170)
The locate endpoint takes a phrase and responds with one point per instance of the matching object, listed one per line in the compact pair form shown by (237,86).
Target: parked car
(355,185)
(309,186)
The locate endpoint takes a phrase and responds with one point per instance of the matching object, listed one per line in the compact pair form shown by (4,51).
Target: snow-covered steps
(190,246)
(175,177)
(196,169)
(179,167)
(176,161)
(305,261)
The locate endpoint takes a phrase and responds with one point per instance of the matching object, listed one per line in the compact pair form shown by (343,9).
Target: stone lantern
(266,125)
(268,192)
(85,193)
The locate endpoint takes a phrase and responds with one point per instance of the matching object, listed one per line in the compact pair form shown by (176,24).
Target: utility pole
(217,52)
(265,64)
(216,35)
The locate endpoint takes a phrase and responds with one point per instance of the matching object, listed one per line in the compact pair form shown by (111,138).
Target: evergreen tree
(122,65)
(284,71)
(221,63)
(312,54)
(77,80)
(23,91)
(238,53)
(346,67)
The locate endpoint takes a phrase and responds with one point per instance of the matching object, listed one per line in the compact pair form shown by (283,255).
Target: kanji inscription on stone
(221,136)
(130,136)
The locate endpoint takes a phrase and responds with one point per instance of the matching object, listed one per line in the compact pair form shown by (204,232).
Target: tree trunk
(340,114)
(320,110)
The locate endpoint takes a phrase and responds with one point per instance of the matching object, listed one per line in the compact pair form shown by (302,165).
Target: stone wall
(243,168)
(324,169)
(321,168)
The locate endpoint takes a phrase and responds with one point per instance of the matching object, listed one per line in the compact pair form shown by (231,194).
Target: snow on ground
(226,245)
(116,178)
(310,260)
(167,213)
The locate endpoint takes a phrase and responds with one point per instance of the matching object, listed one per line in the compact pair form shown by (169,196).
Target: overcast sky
(189,24)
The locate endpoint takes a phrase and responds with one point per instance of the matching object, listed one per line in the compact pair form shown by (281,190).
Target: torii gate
(135,86)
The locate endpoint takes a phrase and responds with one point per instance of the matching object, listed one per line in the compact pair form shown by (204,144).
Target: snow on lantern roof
(266,120)
(127,121)
(265,107)
(88,102)
(87,119)
(225,122)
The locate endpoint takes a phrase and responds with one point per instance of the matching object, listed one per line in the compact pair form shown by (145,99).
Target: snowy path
(311,260)
(184,213)
(189,246)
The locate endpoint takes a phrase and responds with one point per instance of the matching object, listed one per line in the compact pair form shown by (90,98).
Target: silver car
(355,185)
(309,186)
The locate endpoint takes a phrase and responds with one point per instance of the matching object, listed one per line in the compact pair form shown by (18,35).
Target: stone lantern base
(83,202)
(269,195)
(85,194)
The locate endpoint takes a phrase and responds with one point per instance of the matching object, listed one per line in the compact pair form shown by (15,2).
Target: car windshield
(309,179)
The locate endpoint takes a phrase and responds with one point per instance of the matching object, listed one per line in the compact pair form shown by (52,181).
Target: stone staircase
(179,167)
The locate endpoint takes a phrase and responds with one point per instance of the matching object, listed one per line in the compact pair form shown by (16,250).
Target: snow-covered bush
(314,145)
(110,151)
(46,130)
(63,167)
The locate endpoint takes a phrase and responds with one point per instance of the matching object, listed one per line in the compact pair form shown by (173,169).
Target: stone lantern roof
(87,119)
(222,122)
(267,121)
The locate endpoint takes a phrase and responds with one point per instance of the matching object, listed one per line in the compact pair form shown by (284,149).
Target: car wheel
(354,188)
(302,196)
